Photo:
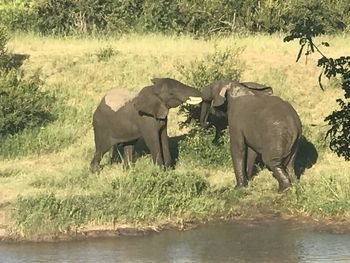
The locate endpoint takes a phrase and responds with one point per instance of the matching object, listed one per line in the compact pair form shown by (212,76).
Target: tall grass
(44,176)
(142,194)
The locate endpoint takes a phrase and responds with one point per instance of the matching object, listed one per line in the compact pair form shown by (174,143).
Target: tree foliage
(312,22)
(199,17)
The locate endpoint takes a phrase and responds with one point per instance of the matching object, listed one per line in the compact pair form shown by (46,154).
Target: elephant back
(117,98)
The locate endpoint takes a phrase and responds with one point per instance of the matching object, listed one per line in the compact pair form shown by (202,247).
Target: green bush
(4,56)
(161,16)
(312,18)
(199,149)
(82,16)
(22,103)
(170,16)
(18,15)
(221,64)
(199,146)
(216,65)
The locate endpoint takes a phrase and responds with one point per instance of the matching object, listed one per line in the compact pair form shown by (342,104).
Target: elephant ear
(258,88)
(220,89)
(219,97)
(148,103)
(238,90)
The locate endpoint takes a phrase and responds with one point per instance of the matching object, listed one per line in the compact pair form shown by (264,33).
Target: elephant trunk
(205,109)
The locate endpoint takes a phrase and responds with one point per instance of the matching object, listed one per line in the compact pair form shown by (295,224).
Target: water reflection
(272,242)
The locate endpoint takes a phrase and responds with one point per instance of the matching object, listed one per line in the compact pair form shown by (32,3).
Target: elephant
(218,116)
(122,117)
(259,123)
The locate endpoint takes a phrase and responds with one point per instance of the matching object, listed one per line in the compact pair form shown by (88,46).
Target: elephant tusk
(194,100)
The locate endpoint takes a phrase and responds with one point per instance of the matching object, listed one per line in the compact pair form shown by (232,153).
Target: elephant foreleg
(251,157)
(238,155)
(165,147)
(151,135)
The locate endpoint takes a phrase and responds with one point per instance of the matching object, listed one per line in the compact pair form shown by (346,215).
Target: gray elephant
(259,123)
(124,116)
(218,116)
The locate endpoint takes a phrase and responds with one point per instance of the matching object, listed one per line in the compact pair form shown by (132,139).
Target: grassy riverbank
(45,184)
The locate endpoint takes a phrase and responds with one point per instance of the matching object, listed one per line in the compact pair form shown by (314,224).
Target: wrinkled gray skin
(258,123)
(218,115)
(122,117)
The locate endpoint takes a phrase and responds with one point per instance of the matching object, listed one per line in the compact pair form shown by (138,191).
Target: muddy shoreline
(250,217)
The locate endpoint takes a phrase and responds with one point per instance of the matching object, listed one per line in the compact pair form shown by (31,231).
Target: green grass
(45,183)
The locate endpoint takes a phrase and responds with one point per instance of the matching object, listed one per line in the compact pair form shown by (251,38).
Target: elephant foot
(95,168)
(283,186)
(241,185)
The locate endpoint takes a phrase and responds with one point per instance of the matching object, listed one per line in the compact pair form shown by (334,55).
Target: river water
(265,242)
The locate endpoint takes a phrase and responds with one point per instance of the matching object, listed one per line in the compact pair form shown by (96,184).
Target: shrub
(221,64)
(78,16)
(201,146)
(199,149)
(177,16)
(18,15)
(22,103)
(4,56)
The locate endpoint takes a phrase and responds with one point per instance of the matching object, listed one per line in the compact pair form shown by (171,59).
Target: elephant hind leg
(102,145)
(251,157)
(128,150)
(279,172)
(238,155)
(289,163)
(282,177)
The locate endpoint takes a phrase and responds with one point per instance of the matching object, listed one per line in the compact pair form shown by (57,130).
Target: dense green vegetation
(169,16)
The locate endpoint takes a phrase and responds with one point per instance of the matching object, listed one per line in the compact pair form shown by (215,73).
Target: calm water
(268,242)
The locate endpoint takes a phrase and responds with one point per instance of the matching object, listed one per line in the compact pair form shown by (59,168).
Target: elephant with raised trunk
(259,123)
(124,116)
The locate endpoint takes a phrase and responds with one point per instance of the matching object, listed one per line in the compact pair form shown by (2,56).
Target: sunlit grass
(55,159)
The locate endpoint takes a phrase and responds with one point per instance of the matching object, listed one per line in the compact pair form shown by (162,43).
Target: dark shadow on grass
(9,173)
(16,60)
(306,157)
(141,150)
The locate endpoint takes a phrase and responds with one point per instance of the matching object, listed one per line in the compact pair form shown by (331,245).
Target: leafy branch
(305,29)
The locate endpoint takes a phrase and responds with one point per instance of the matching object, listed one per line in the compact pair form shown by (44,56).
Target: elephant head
(215,96)
(165,93)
